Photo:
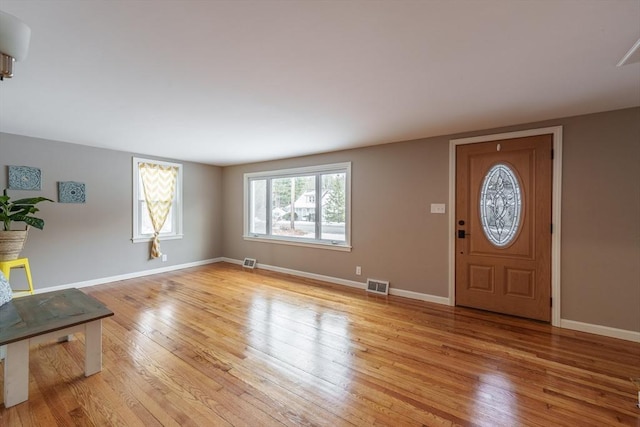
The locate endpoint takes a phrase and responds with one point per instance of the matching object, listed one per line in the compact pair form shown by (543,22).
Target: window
(500,205)
(307,206)
(142,225)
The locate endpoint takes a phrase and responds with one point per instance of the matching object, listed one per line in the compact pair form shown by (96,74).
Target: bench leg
(93,347)
(16,373)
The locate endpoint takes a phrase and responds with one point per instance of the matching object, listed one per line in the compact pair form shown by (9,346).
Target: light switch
(438,208)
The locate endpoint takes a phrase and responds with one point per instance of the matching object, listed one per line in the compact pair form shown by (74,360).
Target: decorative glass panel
(500,205)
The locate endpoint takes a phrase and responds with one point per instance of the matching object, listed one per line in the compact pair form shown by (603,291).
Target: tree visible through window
(308,205)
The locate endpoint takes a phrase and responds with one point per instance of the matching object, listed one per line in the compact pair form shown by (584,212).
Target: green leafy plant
(20,211)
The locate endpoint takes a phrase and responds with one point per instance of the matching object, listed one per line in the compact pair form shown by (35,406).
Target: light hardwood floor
(218,345)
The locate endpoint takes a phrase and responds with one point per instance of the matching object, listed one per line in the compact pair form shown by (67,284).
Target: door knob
(461,234)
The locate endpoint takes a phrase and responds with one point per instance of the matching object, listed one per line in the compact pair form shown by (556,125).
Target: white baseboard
(419,296)
(110,279)
(568,324)
(350,283)
(329,279)
(564,323)
(606,331)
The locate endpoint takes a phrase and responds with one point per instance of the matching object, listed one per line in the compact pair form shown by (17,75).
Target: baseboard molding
(607,331)
(306,275)
(564,323)
(344,282)
(567,324)
(103,280)
(419,296)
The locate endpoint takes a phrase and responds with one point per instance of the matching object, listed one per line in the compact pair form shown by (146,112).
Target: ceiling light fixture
(14,43)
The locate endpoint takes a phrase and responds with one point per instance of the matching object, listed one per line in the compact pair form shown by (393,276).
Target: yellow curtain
(159,183)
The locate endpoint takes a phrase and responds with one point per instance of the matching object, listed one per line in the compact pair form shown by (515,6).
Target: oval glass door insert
(500,205)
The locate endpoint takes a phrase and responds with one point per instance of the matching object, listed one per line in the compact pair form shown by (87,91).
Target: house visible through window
(162,197)
(307,206)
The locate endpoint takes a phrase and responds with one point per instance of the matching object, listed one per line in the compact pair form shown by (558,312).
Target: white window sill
(318,245)
(149,238)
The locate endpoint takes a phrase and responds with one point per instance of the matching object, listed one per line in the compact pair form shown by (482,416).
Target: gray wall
(91,241)
(394,236)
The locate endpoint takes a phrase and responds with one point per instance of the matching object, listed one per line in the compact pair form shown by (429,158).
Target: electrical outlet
(164,257)
(358,270)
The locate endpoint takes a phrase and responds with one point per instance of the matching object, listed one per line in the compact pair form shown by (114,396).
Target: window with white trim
(307,206)
(142,226)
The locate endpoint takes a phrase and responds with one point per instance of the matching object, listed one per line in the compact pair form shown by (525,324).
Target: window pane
(301,206)
(258,207)
(333,226)
(142,224)
(293,210)
(146,227)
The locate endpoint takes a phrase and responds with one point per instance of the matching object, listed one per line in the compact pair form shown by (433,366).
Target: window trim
(136,236)
(294,172)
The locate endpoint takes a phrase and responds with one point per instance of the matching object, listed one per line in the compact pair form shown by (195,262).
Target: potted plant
(12,241)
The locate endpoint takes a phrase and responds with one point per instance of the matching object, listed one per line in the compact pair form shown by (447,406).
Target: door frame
(556,199)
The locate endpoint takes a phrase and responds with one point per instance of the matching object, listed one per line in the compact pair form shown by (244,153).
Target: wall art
(24,178)
(71,192)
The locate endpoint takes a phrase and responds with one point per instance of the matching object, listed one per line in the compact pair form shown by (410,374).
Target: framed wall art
(24,178)
(71,192)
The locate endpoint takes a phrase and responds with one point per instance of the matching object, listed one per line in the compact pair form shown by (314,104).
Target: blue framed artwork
(24,178)
(71,192)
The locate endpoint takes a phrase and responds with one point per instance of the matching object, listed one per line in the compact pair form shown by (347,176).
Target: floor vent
(378,286)
(249,263)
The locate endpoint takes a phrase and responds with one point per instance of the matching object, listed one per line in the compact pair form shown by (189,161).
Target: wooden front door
(503,226)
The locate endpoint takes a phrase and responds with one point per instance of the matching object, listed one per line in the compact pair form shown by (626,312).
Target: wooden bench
(42,317)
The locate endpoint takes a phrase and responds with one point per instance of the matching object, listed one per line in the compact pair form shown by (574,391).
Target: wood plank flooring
(221,346)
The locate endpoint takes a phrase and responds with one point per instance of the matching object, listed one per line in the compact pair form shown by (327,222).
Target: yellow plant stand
(6,266)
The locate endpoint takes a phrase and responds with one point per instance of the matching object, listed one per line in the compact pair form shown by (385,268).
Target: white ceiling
(228,82)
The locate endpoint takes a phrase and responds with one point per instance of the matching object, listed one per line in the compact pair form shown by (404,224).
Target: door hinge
(550,302)
(551,228)
(552,154)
